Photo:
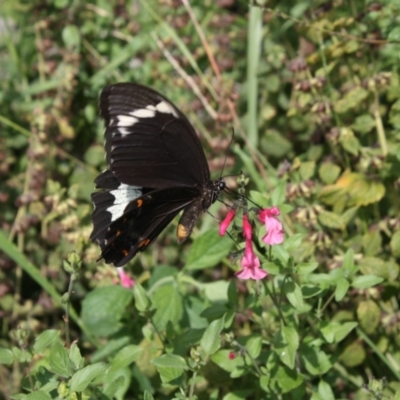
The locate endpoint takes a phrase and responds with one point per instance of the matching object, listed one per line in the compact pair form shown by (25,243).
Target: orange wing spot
(117,233)
(125,252)
(181,232)
(144,242)
(139,202)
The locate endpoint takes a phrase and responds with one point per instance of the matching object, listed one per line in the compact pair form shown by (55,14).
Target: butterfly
(156,167)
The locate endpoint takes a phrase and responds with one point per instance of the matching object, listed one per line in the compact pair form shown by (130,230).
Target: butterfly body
(156,168)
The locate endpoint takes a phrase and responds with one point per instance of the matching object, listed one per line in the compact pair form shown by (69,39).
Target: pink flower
(250,264)
(272,224)
(226,222)
(126,280)
(247,230)
(232,355)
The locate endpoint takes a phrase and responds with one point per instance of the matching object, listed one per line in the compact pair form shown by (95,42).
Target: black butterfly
(156,168)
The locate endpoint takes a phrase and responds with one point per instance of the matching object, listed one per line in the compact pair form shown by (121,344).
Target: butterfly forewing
(149,142)
(156,168)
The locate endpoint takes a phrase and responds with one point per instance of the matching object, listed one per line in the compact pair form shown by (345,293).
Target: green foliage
(318,135)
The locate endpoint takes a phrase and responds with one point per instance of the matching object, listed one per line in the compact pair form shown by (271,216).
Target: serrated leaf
(348,141)
(315,360)
(286,343)
(59,360)
(294,295)
(372,242)
(211,341)
(168,304)
(45,340)
(364,123)
(288,379)
(351,99)
(331,220)
(75,356)
(103,308)
(352,189)
(83,378)
(366,281)
(208,250)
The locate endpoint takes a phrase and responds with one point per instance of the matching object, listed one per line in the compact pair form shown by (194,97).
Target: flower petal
(226,222)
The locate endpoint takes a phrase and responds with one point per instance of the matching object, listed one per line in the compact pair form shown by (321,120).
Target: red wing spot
(125,252)
(139,203)
(144,242)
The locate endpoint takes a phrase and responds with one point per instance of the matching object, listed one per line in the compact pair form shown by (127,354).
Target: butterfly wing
(149,142)
(156,168)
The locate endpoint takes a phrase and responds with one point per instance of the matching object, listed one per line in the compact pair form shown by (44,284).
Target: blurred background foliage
(312,92)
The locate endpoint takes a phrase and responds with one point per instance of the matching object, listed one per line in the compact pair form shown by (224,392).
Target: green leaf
(288,379)
(331,220)
(278,194)
(315,360)
(126,356)
(147,395)
(325,390)
(366,281)
(369,315)
(142,301)
(293,293)
(170,366)
(306,268)
(364,123)
(211,341)
(394,35)
(45,340)
(306,169)
(168,304)
(75,356)
(6,356)
(349,142)
(71,36)
(334,332)
(208,250)
(342,286)
(233,366)
(329,172)
(286,343)
(37,395)
(395,244)
(348,264)
(103,308)
(59,360)
(83,378)
(353,355)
